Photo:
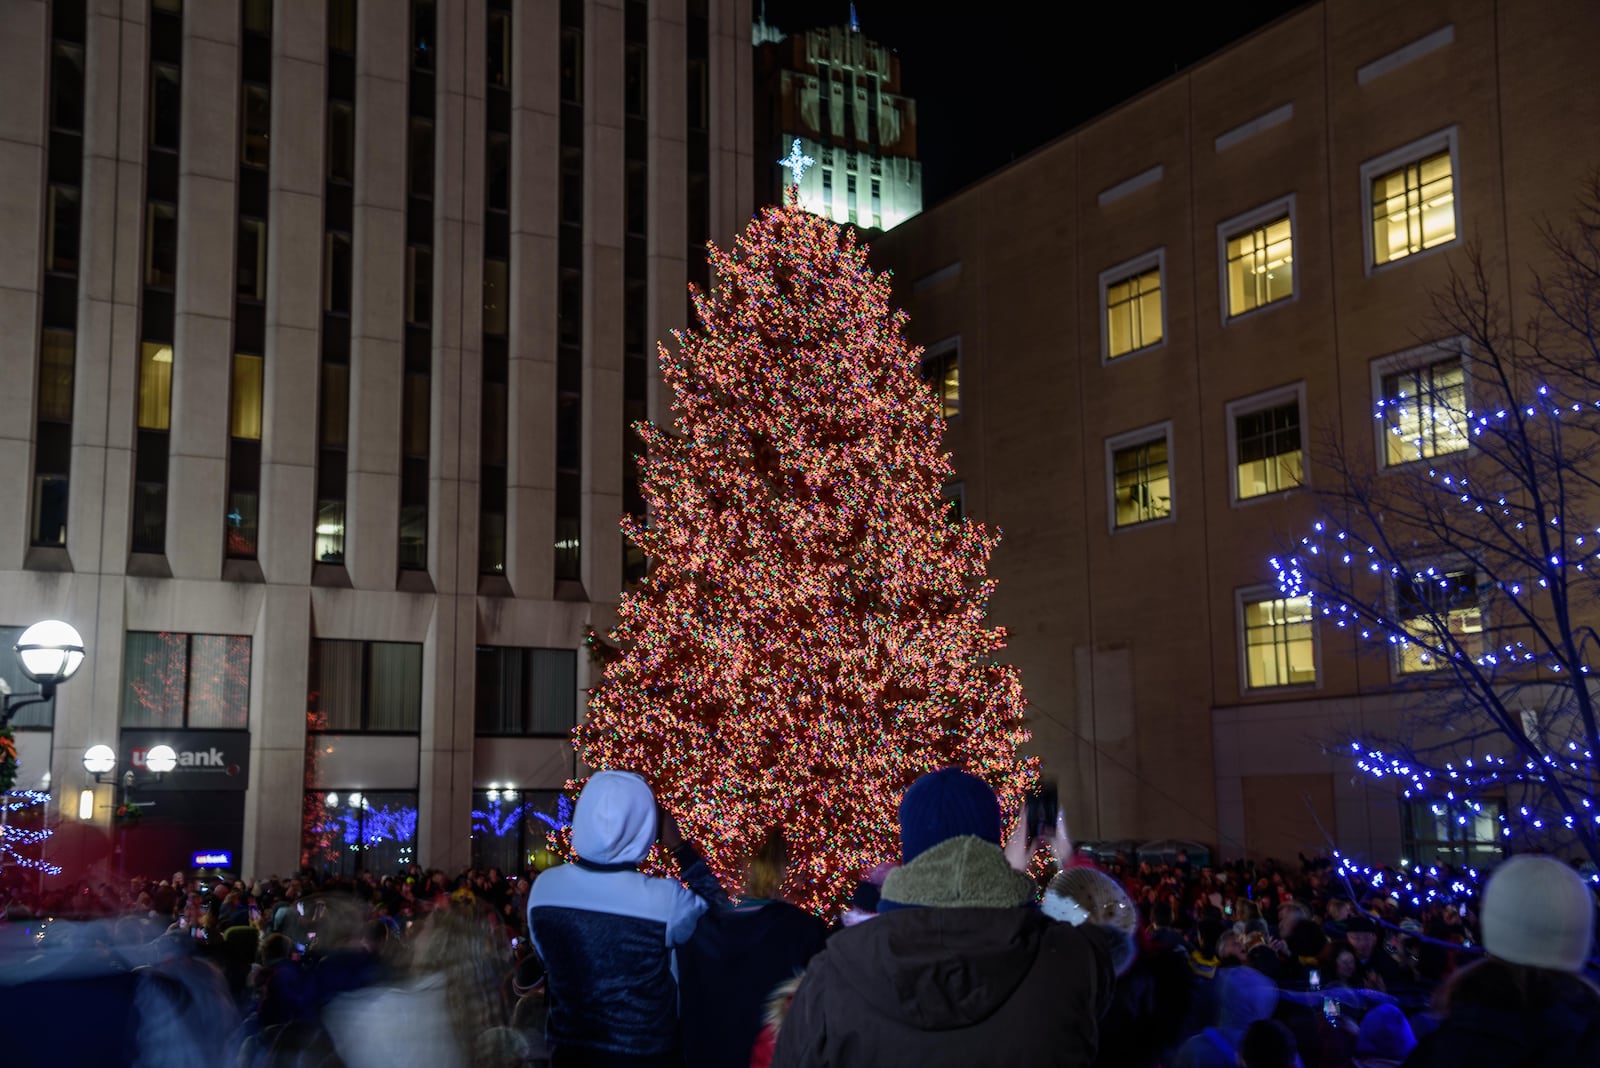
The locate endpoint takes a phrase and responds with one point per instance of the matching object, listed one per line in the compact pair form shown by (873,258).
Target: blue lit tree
(1470,551)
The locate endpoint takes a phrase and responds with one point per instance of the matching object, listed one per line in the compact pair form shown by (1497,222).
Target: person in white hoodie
(606,931)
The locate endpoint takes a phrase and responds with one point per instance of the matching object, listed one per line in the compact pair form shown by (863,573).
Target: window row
(1413,207)
(1422,397)
(1442,610)
(202,681)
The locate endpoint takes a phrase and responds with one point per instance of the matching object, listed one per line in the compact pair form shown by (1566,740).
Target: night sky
(994,80)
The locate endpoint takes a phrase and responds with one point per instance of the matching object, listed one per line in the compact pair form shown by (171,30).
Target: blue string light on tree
(1463,559)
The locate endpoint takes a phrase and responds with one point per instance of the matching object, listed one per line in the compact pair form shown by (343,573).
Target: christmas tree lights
(1473,565)
(810,636)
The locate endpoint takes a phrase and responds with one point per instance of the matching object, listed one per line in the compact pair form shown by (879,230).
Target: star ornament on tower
(796,163)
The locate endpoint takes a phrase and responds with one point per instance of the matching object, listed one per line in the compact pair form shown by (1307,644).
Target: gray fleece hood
(615,821)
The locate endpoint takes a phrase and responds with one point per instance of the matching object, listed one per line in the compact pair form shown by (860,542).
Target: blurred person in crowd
(1268,1044)
(1244,996)
(1385,1039)
(864,902)
(1527,1003)
(446,1012)
(737,957)
(607,933)
(1362,935)
(958,966)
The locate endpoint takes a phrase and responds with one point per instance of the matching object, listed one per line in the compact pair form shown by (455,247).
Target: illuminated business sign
(206,760)
(218,858)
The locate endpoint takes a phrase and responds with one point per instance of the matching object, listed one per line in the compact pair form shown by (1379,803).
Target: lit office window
(1133,313)
(1141,480)
(1424,411)
(1413,207)
(1260,265)
(1442,613)
(1279,643)
(1267,450)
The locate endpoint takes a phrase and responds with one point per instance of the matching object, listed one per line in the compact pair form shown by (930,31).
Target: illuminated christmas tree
(810,637)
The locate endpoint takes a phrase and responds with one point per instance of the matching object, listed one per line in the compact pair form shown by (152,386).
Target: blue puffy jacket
(606,931)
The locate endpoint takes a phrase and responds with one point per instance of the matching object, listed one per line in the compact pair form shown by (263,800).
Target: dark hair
(1506,987)
(1268,1044)
(1161,914)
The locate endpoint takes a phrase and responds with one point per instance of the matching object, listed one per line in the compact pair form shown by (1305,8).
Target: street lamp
(50,653)
(100,760)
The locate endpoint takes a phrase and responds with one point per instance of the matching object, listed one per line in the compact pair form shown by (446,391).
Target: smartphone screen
(1042,807)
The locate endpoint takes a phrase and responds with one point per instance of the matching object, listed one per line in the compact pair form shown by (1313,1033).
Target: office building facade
(325,323)
(1143,335)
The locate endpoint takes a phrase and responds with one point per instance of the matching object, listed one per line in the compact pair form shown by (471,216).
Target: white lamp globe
(50,651)
(161,759)
(99,759)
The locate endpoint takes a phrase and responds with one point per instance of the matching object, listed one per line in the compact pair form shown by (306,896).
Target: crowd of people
(952,953)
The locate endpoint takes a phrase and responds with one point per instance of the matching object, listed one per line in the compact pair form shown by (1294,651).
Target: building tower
(838,92)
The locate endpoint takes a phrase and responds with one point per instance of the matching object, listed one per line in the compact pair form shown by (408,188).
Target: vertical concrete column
(447,734)
(294,290)
(377,308)
(279,688)
(24,81)
(732,129)
(667,157)
(110,278)
(603,213)
(105,384)
(202,352)
(531,408)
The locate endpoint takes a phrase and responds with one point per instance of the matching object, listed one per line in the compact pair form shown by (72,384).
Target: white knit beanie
(1538,912)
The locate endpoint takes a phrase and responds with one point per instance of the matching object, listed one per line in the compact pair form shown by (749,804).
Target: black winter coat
(1552,1022)
(953,988)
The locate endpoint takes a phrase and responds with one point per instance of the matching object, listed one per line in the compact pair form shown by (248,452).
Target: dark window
(161,256)
(422,34)
(497,167)
(571,187)
(341,141)
(336,275)
(699,103)
(200,681)
(572,65)
(342,25)
(499,45)
(636,193)
(61,251)
(527,691)
(633,97)
(419,285)
(257,126)
(366,686)
(251,276)
(164,104)
(421,156)
(258,16)
(496,297)
(66,87)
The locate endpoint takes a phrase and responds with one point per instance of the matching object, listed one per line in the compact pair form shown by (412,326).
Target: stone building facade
(324,323)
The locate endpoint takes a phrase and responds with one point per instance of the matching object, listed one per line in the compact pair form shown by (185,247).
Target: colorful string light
(810,637)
